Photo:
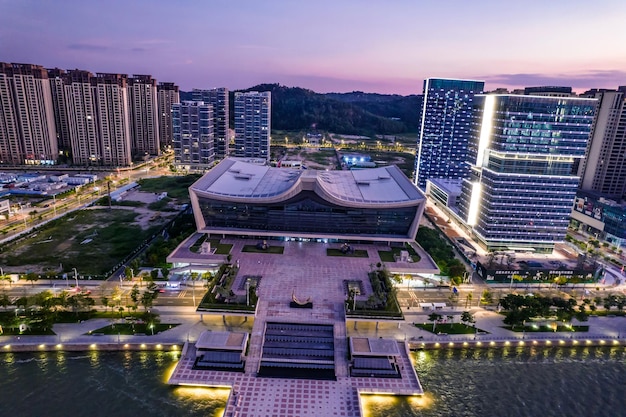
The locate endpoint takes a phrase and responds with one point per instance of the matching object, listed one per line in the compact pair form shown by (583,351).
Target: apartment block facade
(253,112)
(219,99)
(167,96)
(28,132)
(193,135)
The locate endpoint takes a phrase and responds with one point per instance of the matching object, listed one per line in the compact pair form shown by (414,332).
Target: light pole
(152,328)
(75,277)
(247,293)
(193,290)
(23,216)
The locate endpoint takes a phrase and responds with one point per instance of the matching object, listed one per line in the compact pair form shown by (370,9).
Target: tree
(105,303)
(467,317)
(456,269)
(165,272)
(5,301)
(208,276)
(468,300)
(134,294)
(147,299)
(154,274)
(487,297)
(434,317)
(116,295)
(32,277)
(128,272)
(450,318)
(153,288)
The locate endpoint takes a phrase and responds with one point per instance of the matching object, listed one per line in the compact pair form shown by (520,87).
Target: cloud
(90,47)
(586,79)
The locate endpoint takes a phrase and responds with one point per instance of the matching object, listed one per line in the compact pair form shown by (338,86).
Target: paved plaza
(303,270)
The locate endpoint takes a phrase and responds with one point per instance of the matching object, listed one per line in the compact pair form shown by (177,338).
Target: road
(169,297)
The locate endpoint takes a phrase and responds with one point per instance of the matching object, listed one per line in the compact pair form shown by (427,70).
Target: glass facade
(525,153)
(307,213)
(446,123)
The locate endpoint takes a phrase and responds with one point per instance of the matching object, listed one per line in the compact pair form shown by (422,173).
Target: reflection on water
(513,382)
(508,382)
(99,384)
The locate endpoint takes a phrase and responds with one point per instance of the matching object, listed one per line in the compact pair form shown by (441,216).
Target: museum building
(237,198)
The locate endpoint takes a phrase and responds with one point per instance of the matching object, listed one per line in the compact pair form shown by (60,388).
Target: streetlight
(75,277)
(193,290)
(247,293)
(152,328)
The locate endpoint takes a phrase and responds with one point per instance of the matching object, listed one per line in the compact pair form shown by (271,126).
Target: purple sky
(384,46)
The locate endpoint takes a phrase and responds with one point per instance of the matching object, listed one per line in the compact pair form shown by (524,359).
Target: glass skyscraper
(525,152)
(445,129)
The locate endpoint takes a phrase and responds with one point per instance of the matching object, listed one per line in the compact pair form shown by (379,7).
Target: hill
(357,113)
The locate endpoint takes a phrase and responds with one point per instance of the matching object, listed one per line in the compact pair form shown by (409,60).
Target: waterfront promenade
(306,271)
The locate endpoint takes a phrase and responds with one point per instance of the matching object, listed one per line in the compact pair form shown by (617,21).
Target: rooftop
(237,180)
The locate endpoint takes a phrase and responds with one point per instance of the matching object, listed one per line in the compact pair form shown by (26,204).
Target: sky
(377,46)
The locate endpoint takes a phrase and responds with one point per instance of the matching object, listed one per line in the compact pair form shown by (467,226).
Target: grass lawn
(176,187)
(92,241)
(271,249)
(220,248)
(449,328)
(547,329)
(359,253)
(7,331)
(133,328)
(389,256)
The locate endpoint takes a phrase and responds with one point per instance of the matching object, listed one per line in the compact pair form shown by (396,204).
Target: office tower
(445,128)
(27,126)
(218,98)
(144,116)
(82,118)
(113,117)
(167,96)
(525,152)
(253,124)
(604,170)
(57,87)
(193,139)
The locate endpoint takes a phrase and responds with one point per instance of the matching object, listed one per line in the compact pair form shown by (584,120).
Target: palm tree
(434,317)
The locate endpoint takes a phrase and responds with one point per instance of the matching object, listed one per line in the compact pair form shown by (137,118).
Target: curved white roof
(235,180)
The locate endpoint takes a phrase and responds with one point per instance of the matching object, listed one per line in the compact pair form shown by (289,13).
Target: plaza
(304,269)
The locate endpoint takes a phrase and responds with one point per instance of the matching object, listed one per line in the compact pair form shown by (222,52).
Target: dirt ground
(146,216)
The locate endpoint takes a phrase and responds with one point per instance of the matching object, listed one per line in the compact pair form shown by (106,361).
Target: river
(507,382)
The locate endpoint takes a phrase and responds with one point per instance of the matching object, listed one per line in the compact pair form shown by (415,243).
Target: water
(487,383)
(68,384)
(514,382)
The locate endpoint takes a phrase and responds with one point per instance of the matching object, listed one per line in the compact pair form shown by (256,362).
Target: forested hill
(356,113)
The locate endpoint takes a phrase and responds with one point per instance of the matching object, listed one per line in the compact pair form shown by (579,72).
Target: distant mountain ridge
(355,113)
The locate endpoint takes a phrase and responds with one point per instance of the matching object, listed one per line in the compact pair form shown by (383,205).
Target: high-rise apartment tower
(167,96)
(218,98)
(193,140)
(253,124)
(27,125)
